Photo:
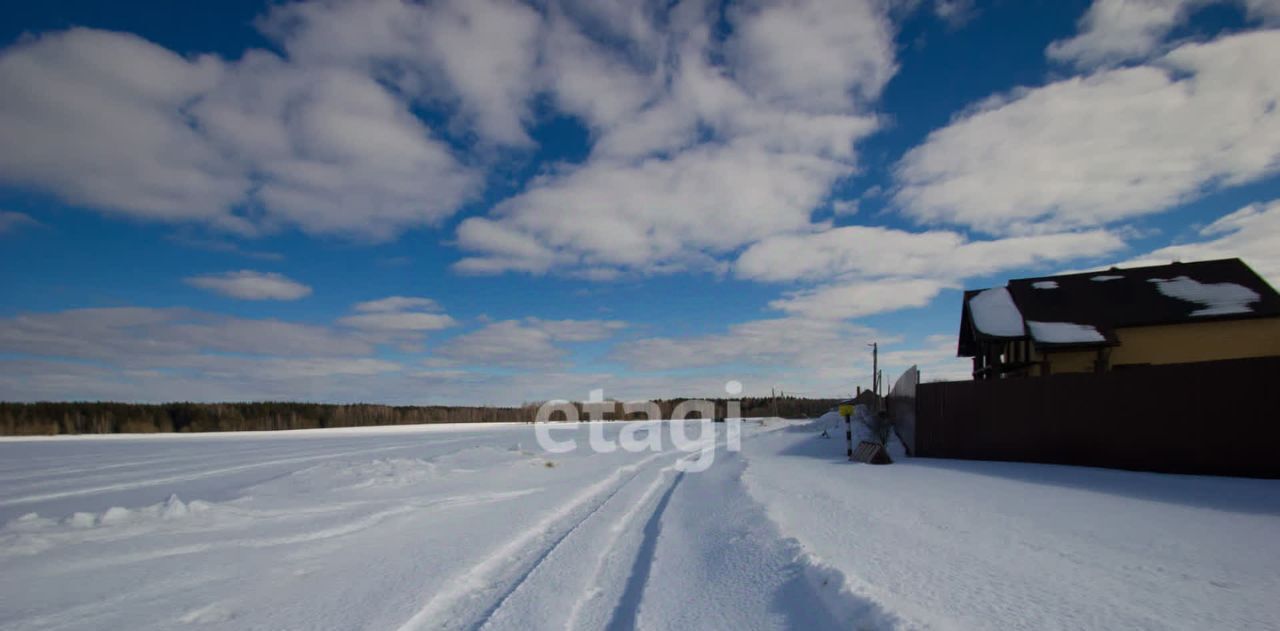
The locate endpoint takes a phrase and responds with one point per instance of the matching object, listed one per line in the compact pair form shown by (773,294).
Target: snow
(1216,298)
(994,313)
(1045,284)
(953,544)
(1102,278)
(1064,333)
(477,527)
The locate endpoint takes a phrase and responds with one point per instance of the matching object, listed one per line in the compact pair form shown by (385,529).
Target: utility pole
(774,395)
(875,368)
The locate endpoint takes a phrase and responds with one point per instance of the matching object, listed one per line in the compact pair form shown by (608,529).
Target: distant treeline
(119,418)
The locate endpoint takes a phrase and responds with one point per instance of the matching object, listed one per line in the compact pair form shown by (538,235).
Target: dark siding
(1211,418)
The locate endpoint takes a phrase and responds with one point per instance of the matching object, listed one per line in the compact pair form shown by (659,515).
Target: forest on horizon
(56,418)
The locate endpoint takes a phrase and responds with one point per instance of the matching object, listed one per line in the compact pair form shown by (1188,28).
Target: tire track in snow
(474,598)
(581,564)
(596,607)
(715,532)
(131,485)
(627,611)
(45,477)
(600,545)
(352,527)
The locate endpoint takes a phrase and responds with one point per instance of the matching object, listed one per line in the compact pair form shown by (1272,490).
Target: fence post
(846,410)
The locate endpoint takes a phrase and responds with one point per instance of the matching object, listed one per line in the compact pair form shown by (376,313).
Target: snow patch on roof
(1045,284)
(1217,298)
(994,313)
(1102,278)
(1064,333)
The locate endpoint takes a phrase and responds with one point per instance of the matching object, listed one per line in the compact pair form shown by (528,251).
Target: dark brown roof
(1140,296)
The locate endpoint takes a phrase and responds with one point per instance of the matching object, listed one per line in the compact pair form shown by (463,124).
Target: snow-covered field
(477,527)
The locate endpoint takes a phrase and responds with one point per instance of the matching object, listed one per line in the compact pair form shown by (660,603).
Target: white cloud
(935,357)
(847,207)
(176,354)
(110,121)
(11,221)
(781,341)
(859,298)
(813,54)
(1092,150)
(1113,31)
(99,118)
(866,251)
(725,143)
(649,214)
(577,330)
(136,335)
(956,13)
(748,129)
(865,270)
(399,321)
(529,343)
(336,152)
(398,318)
(1251,233)
(206,378)
(477,55)
(251,285)
(1118,30)
(397,303)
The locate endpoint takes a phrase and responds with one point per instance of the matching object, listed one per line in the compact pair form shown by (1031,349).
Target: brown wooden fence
(1218,418)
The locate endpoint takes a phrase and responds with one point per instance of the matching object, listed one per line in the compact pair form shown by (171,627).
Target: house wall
(1181,343)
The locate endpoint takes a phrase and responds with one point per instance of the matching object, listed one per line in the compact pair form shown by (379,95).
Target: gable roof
(1085,309)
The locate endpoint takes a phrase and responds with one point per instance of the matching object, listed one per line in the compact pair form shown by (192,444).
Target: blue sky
(497,202)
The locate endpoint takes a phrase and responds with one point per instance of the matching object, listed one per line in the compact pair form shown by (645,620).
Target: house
(1101,321)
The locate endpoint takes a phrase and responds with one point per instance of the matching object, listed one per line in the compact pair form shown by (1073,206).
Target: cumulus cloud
(860,298)
(111,121)
(780,341)
(1113,31)
(728,142)
(525,343)
(99,118)
(643,216)
(868,251)
(334,151)
(138,335)
(398,315)
(399,321)
(935,356)
(251,285)
(704,128)
(207,378)
(149,354)
(1250,233)
(397,303)
(477,57)
(1096,149)
(813,54)
(863,270)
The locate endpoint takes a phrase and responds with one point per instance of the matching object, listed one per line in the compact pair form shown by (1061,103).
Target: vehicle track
(193,475)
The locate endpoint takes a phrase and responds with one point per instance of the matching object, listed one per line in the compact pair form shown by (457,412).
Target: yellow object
(846,409)
(1178,343)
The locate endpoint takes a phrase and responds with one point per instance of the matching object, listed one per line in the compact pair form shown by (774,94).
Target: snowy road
(465,527)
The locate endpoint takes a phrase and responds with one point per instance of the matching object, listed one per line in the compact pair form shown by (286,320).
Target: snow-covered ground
(476,527)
